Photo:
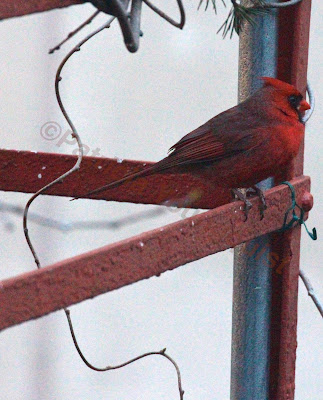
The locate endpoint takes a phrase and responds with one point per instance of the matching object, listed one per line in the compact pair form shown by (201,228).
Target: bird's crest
(283,86)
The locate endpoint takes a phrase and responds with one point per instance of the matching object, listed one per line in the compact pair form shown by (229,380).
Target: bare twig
(311,291)
(73,33)
(74,135)
(59,179)
(166,17)
(109,368)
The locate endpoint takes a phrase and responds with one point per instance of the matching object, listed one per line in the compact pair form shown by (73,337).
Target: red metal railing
(15,8)
(20,169)
(40,292)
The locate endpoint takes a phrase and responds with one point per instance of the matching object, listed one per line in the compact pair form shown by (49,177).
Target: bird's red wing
(193,148)
(202,147)
(210,142)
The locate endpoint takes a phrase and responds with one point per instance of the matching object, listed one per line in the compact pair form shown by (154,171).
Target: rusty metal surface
(294,26)
(40,292)
(16,8)
(19,172)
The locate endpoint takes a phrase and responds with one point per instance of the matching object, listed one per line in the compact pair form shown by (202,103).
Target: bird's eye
(294,100)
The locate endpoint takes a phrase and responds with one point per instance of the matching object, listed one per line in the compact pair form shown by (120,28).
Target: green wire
(299,220)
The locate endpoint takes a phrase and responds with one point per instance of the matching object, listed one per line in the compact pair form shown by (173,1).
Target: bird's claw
(247,203)
(255,190)
(262,208)
(247,208)
(263,205)
(252,191)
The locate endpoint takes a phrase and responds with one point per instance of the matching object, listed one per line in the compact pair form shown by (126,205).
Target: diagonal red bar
(16,8)
(25,171)
(40,292)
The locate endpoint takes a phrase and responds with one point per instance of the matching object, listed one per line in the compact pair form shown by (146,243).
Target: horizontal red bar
(24,171)
(16,8)
(40,292)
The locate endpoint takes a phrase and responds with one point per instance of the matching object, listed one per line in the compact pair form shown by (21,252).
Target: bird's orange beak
(303,106)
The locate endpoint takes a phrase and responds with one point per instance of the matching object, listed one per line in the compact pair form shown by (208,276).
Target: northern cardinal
(240,147)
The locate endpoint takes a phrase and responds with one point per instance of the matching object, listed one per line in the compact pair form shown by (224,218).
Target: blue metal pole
(252,273)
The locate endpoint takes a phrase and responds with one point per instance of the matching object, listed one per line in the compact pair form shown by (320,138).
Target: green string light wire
(296,220)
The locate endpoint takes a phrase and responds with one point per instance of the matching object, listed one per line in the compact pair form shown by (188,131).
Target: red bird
(240,147)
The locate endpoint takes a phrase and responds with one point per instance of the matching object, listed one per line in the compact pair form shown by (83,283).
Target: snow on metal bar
(16,8)
(24,171)
(40,292)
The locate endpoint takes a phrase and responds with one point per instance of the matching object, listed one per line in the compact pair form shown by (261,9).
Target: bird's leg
(243,197)
(263,206)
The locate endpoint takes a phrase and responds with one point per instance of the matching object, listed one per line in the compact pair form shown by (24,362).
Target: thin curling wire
(311,98)
(281,5)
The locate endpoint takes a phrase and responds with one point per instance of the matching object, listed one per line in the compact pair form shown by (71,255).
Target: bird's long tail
(128,178)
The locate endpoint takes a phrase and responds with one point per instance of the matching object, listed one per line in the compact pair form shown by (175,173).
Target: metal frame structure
(273,257)
(265,303)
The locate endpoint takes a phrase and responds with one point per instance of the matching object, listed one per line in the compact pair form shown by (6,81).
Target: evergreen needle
(239,15)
